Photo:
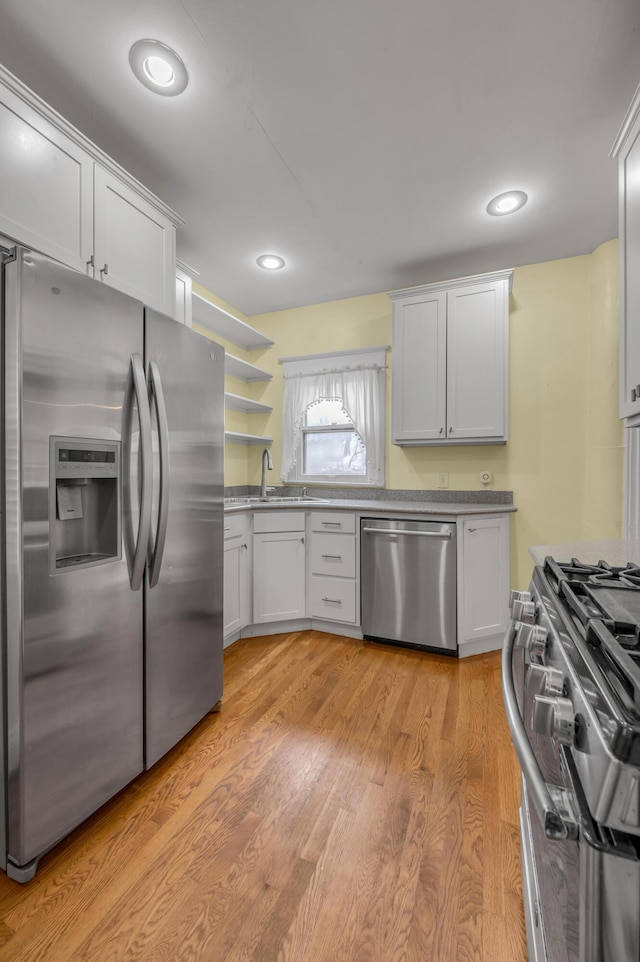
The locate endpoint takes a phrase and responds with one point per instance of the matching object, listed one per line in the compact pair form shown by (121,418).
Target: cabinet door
(419,368)
(236,575)
(134,244)
(629,174)
(46,186)
(485,578)
(477,321)
(278,576)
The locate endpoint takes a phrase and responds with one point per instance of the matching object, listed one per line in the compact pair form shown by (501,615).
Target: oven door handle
(552,803)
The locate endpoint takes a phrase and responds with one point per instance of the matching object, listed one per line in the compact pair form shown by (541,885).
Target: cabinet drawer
(332,598)
(235,526)
(333,554)
(333,521)
(278,521)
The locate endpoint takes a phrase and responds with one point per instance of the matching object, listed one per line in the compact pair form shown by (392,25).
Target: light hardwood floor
(350,803)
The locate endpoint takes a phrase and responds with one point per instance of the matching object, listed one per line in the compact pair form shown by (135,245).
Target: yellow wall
(564,458)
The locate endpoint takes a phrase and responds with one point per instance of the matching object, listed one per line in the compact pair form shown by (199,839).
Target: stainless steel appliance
(571,683)
(408,579)
(112,487)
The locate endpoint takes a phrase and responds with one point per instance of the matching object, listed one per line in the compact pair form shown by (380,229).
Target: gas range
(571,683)
(579,626)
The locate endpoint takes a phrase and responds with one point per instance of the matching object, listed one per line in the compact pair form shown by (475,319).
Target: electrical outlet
(486,477)
(443,479)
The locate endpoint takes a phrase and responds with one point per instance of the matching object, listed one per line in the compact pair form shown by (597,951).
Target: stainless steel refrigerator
(112,495)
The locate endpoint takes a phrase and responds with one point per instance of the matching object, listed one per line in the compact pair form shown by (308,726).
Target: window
(330,443)
(334,419)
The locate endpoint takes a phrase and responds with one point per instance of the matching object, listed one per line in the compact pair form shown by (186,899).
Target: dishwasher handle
(401,531)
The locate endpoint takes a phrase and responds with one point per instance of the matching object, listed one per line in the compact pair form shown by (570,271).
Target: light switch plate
(443,479)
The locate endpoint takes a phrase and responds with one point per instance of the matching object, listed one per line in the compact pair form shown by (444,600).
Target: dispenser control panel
(81,459)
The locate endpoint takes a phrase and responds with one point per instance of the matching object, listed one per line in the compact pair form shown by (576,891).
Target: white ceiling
(360,139)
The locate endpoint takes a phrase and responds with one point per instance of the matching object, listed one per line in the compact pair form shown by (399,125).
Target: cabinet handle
(441,430)
(302,540)
(91,262)
(333,601)
(334,557)
(450,430)
(245,546)
(227,527)
(471,529)
(338,523)
(104,270)
(633,394)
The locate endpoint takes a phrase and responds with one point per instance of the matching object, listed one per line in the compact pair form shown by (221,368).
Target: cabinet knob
(104,270)
(90,262)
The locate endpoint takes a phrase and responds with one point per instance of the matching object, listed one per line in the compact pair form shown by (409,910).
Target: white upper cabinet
(450,362)
(62,196)
(477,332)
(135,244)
(419,368)
(627,150)
(46,185)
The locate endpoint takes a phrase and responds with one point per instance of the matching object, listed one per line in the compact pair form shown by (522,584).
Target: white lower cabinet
(332,566)
(295,567)
(483,583)
(278,566)
(332,599)
(236,574)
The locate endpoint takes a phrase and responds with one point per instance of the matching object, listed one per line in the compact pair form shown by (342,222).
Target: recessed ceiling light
(507,203)
(270,262)
(158,67)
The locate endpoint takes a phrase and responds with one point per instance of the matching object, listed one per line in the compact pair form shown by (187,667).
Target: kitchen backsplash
(377,494)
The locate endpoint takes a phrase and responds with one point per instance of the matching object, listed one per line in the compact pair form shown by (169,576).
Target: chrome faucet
(267,465)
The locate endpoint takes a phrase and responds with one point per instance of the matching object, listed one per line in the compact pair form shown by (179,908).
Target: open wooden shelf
(236,367)
(234,402)
(234,437)
(220,322)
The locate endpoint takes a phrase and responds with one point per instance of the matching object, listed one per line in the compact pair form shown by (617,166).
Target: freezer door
(73,634)
(183,653)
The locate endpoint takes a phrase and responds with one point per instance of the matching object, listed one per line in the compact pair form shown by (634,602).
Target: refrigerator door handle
(146,468)
(156,554)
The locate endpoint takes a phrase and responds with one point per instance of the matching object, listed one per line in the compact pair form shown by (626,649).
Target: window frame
(338,361)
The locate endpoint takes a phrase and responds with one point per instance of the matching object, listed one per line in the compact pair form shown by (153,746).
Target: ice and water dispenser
(84,503)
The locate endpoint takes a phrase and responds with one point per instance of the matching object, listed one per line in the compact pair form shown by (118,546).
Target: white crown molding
(454,283)
(627,124)
(189,271)
(32,100)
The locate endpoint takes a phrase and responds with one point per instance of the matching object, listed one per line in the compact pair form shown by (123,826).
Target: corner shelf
(235,402)
(236,367)
(226,325)
(234,437)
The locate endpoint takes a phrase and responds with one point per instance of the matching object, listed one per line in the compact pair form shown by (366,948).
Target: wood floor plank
(350,802)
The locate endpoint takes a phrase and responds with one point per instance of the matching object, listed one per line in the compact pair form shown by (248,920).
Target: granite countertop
(370,506)
(617,553)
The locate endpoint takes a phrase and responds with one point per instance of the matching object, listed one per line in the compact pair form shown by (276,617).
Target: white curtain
(361,390)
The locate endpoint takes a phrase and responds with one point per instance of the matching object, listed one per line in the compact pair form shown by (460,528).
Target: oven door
(581,881)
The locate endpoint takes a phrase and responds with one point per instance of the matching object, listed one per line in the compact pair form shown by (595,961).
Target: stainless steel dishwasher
(408,578)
